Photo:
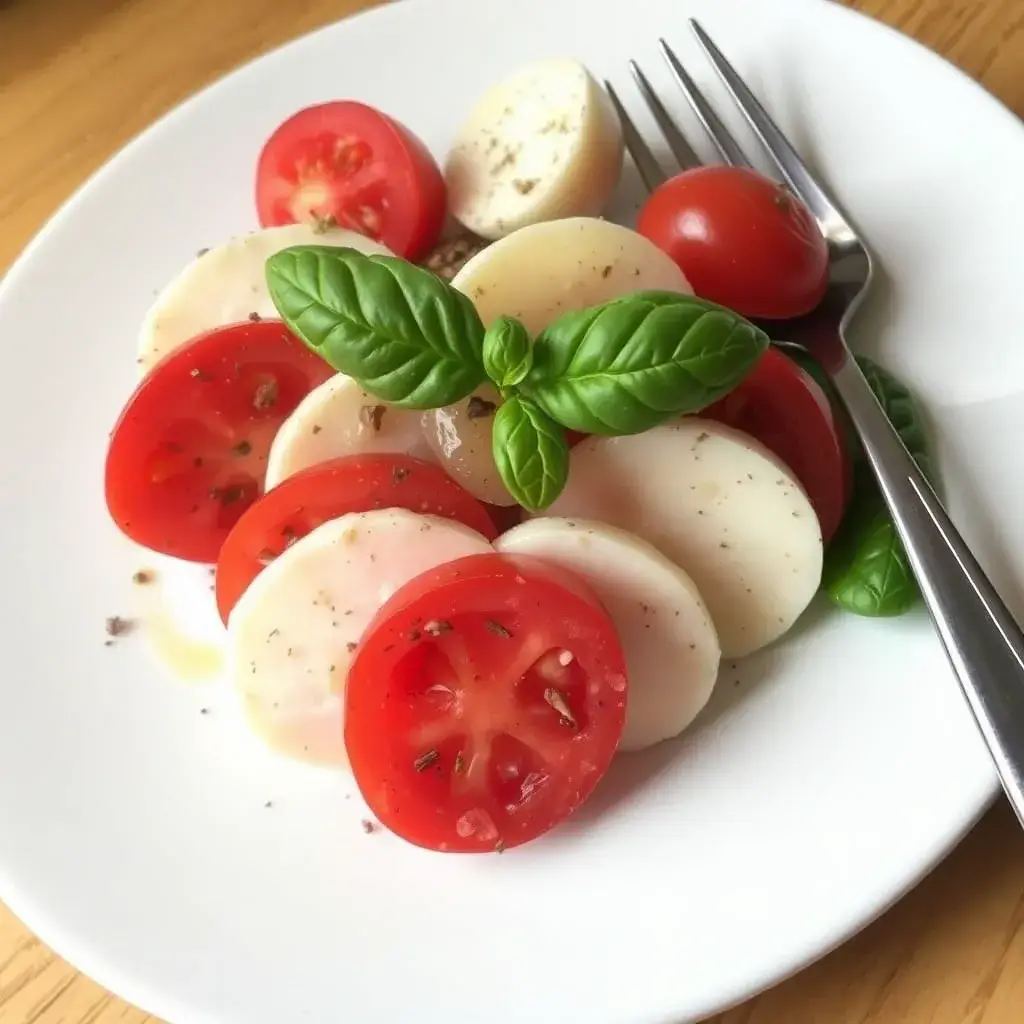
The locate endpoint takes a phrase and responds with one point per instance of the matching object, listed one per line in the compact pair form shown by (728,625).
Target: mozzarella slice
(665,629)
(339,418)
(459,436)
(721,506)
(544,143)
(540,272)
(292,633)
(228,284)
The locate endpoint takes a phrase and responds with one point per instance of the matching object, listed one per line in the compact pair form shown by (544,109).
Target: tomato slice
(346,163)
(776,405)
(742,240)
(352,483)
(188,454)
(485,702)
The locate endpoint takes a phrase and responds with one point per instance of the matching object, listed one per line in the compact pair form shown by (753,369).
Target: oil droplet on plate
(190,659)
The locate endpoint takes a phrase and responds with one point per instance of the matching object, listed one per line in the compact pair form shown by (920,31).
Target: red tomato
(742,240)
(465,730)
(349,164)
(505,517)
(776,405)
(188,454)
(353,483)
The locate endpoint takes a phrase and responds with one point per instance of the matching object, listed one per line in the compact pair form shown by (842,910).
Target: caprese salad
(488,505)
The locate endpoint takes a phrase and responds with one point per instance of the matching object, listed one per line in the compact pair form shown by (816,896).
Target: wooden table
(80,77)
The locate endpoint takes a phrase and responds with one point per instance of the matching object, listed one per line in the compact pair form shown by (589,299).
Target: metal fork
(984,644)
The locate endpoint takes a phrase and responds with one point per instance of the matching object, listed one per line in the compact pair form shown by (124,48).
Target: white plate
(133,831)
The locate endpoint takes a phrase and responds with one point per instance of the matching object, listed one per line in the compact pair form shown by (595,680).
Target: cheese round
(719,505)
(339,418)
(542,144)
(292,634)
(227,284)
(460,439)
(671,647)
(541,272)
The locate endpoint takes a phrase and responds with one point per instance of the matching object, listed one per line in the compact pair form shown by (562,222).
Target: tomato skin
(742,240)
(448,774)
(352,483)
(188,453)
(347,163)
(776,405)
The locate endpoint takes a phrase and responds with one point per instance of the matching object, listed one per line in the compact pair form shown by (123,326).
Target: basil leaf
(903,412)
(508,352)
(531,453)
(628,365)
(401,332)
(866,569)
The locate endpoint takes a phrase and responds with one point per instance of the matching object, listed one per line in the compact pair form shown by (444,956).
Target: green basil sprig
(508,352)
(628,365)
(531,453)
(414,341)
(399,330)
(866,570)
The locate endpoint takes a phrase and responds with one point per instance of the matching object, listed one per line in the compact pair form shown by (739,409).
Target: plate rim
(44,924)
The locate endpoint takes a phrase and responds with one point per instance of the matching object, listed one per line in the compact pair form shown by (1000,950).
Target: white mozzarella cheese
(293,632)
(544,143)
(339,418)
(459,436)
(228,284)
(541,272)
(665,629)
(721,506)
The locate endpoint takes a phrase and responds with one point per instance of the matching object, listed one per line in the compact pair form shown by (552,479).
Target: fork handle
(982,640)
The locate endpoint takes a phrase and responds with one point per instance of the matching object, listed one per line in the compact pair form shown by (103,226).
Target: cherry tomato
(485,702)
(777,404)
(188,454)
(348,164)
(741,239)
(352,483)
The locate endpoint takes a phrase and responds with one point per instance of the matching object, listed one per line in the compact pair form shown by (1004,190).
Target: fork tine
(647,166)
(728,148)
(681,149)
(776,145)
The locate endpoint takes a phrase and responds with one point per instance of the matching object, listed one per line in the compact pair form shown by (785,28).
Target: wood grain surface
(80,77)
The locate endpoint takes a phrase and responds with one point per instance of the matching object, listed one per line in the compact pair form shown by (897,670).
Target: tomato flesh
(352,483)
(741,239)
(188,454)
(485,702)
(348,164)
(776,405)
